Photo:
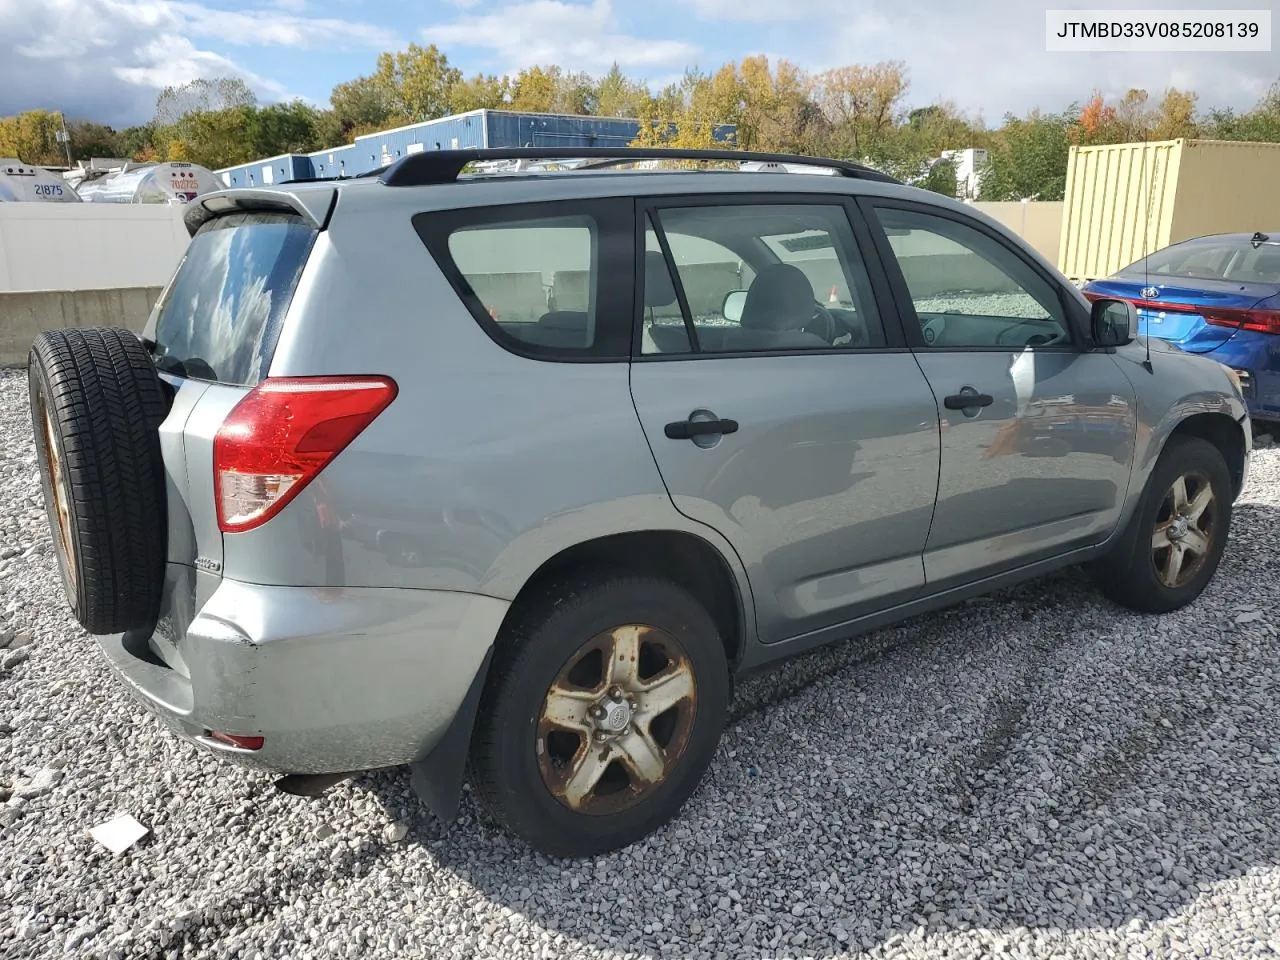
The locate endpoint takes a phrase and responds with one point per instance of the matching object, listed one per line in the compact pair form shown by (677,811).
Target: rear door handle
(961,401)
(688,429)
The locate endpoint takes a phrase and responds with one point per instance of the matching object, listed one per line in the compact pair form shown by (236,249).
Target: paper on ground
(119,834)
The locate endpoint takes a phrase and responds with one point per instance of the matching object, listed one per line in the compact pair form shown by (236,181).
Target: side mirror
(1113,323)
(734,301)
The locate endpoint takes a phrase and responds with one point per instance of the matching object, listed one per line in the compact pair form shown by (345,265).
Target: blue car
(1217,295)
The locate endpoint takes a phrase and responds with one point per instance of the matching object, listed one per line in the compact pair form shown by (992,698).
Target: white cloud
(106,59)
(268,28)
(986,55)
(579,36)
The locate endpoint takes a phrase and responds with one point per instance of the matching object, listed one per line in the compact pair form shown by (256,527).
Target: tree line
(857,112)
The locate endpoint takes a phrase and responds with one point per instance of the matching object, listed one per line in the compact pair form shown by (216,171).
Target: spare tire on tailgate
(96,407)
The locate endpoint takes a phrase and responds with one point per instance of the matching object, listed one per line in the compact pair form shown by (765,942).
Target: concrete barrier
(24,315)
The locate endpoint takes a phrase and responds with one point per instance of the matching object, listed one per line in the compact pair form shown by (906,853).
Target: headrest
(659,291)
(780,298)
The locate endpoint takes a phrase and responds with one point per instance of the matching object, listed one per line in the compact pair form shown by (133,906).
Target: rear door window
(219,318)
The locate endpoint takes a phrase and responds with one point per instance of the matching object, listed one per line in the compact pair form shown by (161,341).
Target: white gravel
(1036,774)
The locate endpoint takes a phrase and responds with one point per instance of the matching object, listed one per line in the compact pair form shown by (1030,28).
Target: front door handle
(688,429)
(962,401)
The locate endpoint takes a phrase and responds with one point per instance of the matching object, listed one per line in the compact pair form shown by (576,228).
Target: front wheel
(603,713)
(1176,537)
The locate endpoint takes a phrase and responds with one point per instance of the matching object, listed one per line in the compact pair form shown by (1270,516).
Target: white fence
(88,246)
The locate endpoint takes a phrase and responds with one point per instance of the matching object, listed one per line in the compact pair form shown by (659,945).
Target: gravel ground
(1035,774)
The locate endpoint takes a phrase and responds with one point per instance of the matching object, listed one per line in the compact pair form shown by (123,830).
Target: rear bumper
(1258,356)
(333,680)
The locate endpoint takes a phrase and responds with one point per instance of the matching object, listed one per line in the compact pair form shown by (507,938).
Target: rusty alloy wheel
(59,509)
(616,719)
(1186,525)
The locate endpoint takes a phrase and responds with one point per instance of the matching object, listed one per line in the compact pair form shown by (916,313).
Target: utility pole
(63,137)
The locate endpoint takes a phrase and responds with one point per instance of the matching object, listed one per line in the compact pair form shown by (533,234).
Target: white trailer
(172,182)
(22,181)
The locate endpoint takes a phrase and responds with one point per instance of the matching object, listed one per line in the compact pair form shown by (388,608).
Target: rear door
(806,434)
(214,328)
(1037,434)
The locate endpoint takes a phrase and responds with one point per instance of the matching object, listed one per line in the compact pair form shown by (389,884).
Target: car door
(805,434)
(1037,433)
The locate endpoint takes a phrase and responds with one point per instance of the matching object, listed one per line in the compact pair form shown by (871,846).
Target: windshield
(220,316)
(1214,259)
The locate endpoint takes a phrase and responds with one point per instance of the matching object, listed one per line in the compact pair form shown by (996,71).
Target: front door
(781,408)
(1037,434)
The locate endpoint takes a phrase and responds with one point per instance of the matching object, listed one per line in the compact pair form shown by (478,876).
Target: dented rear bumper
(333,680)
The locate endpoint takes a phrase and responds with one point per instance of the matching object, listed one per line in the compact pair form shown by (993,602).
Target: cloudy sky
(106,59)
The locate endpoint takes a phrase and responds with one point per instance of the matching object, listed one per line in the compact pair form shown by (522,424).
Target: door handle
(688,429)
(961,401)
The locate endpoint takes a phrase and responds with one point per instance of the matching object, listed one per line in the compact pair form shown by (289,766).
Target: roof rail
(444,166)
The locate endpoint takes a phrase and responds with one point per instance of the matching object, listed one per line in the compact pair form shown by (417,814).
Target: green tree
(361,102)
(284,128)
(1027,158)
(940,178)
(134,141)
(1261,124)
(89,140)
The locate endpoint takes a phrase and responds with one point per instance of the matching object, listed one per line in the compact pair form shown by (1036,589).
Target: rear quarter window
(219,318)
(546,280)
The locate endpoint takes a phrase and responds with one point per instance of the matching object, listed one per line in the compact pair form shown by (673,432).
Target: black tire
(104,404)
(546,636)
(1131,574)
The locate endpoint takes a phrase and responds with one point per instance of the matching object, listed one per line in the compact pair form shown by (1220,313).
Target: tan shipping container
(1126,200)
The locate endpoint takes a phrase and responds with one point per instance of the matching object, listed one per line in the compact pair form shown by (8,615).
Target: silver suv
(507,473)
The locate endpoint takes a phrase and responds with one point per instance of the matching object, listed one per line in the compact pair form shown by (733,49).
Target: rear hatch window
(219,318)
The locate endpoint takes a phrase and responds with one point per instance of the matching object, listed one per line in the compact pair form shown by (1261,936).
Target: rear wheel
(601,716)
(1175,540)
(96,407)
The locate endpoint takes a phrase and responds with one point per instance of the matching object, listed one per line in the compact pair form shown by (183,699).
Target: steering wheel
(822,323)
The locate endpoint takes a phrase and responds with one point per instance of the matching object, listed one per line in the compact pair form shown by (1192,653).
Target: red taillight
(281,435)
(237,740)
(1259,321)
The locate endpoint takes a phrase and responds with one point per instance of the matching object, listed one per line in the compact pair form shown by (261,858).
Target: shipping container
(1126,200)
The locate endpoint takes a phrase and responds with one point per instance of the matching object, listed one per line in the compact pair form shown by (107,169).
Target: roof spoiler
(242,200)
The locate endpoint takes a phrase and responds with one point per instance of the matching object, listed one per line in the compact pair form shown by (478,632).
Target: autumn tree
(416,82)
(32,137)
(1098,123)
(1175,116)
(862,103)
(617,95)
(1133,117)
(481,92)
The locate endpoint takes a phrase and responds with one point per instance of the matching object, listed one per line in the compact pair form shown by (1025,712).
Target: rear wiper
(1258,239)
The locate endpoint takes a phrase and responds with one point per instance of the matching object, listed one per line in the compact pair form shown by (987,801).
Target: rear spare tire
(96,407)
